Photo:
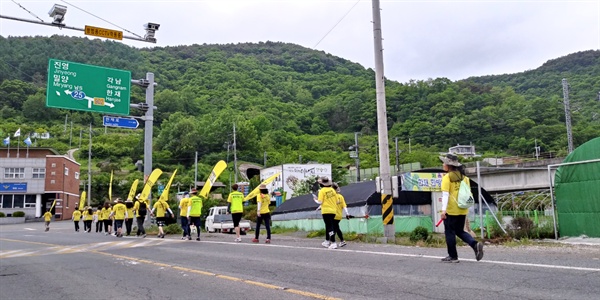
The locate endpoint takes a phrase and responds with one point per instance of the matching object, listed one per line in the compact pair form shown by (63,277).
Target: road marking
(416,256)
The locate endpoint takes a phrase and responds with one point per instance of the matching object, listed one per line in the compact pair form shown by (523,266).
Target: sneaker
(190,238)
(106,233)
(183,238)
(197,239)
(342,244)
(162,236)
(479,251)
(332,246)
(325,244)
(255,240)
(237,240)
(144,235)
(268,241)
(449,259)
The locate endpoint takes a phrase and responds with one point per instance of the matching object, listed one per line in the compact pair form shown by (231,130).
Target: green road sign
(90,88)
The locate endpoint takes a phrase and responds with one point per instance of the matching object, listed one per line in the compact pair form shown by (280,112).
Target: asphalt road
(62,264)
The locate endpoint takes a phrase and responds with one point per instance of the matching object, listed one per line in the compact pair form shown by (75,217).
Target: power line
(16,68)
(27,10)
(89,13)
(336,24)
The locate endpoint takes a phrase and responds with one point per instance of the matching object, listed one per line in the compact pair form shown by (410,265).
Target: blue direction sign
(120,122)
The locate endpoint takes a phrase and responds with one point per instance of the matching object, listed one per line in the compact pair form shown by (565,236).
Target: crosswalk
(102,246)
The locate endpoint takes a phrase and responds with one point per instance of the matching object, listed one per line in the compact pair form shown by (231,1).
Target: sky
(421,39)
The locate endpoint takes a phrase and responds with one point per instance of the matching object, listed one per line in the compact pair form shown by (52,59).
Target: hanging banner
(422,182)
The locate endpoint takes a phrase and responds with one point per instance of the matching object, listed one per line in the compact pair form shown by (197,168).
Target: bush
(420,233)
(2,215)
(521,227)
(18,214)
(173,229)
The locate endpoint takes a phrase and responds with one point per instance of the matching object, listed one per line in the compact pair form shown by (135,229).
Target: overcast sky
(422,39)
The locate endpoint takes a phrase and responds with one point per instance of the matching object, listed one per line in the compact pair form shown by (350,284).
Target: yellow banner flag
(214,175)
(165,193)
(110,187)
(82,200)
(132,190)
(51,207)
(149,184)
(256,190)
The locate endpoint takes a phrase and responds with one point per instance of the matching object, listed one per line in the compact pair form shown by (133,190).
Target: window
(53,173)
(52,181)
(66,171)
(18,201)
(54,165)
(7,201)
(39,173)
(76,175)
(29,200)
(14,173)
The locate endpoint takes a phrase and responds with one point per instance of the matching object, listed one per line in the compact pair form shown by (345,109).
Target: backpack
(465,197)
(142,210)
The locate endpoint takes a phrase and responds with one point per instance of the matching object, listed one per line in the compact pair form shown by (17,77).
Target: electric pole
(565,86)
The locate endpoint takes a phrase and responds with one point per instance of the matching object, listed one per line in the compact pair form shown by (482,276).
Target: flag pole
(18,142)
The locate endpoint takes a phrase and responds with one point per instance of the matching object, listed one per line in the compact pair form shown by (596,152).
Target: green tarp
(577,190)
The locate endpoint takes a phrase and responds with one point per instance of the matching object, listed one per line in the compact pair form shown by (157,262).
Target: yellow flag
(214,175)
(149,183)
(132,190)
(53,203)
(82,200)
(165,193)
(256,190)
(110,187)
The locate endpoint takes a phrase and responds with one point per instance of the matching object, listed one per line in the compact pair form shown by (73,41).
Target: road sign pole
(148,123)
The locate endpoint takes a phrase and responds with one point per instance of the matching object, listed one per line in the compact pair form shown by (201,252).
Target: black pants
(329,230)
(185,226)
(455,226)
(196,222)
(128,225)
(140,225)
(99,226)
(76,225)
(87,225)
(106,224)
(267,219)
(336,228)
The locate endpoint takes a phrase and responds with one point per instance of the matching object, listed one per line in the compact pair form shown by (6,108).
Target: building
(463,150)
(32,179)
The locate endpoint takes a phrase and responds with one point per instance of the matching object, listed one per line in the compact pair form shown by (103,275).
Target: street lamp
(354,154)
(58,13)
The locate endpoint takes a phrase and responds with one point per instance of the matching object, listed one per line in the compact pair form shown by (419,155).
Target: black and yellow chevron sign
(387,210)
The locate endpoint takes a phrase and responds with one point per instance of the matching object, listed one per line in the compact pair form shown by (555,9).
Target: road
(62,264)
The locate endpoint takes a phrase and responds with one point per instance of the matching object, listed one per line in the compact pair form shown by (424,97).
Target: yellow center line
(256,283)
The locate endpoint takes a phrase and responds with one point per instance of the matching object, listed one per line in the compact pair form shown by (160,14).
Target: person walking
(76,217)
(88,217)
(263,213)
(194,211)
(453,216)
(47,219)
(119,213)
(328,199)
(140,209)
(341,206)
(236,208)
(161,207)
(129,220)
(184,204)
(106,211)
(100,218)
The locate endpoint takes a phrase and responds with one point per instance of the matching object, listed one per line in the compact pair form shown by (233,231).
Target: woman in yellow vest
(263,213)
(76,217)
(106,210)
(453,216)
(47,219)
(129,221)
(161,207)
(236,208)
(194,211)
(328,200)
(341,205)
(99,219)
(88,217)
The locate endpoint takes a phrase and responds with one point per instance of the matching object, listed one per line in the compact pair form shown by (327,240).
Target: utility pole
(565,86)
(357,160)
(265,159)
(397,156)
(387,210)
(196,170)
(234,156)
(89,192)
(537,150)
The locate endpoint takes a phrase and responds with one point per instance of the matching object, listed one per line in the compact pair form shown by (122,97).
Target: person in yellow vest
(129,221)
(161,207)
(236,208)
(341,206)
(183,208)
(263,213)
(106,210)
(47,219)
(454,216)
(99,219)
(328,199)
(76,217)
(119,212)
(88,217)
(194,211)
(140,208)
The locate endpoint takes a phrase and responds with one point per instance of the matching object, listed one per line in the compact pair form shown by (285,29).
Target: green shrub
(318,233)
(521,227)
(2,215)
(173,229)
(420,233)
(18,214)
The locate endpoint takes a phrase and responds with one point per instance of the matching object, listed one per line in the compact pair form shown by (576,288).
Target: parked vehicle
(219,221)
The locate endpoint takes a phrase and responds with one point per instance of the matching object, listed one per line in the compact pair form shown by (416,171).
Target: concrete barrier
(12,220)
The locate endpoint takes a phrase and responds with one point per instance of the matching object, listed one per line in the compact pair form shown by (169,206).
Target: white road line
(26,228)
(418,256)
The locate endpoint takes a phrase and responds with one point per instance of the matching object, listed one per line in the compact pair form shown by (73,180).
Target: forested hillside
(290,101)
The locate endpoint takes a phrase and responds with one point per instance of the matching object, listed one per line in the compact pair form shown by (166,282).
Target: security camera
(151,26)
(58,13)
